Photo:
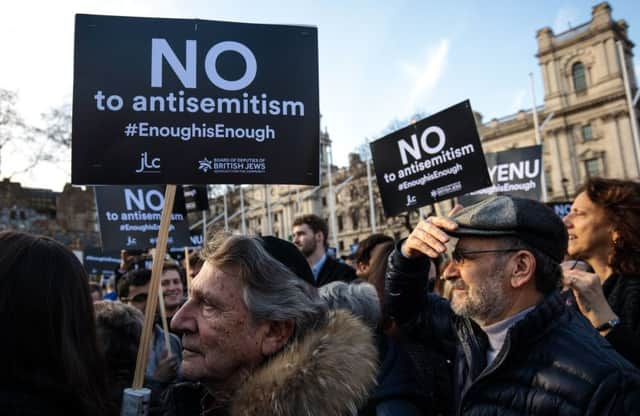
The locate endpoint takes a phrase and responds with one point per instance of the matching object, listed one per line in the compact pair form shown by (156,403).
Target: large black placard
(129,217)
(160,101)
(436,158)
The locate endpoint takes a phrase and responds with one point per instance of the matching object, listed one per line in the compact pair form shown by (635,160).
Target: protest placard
(176,101)
(561,208)
(100,263)
(515,172)
(433,159)
(196,198)
(129,217)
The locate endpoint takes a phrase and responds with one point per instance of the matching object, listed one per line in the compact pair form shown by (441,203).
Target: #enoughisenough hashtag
(131,129)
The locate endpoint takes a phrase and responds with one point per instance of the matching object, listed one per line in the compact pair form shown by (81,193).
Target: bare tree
(58,126)
(11,124)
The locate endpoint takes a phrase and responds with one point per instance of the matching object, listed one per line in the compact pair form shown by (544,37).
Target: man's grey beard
(486,302)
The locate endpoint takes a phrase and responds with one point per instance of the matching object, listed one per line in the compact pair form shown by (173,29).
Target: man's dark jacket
(552,363)
(333,270)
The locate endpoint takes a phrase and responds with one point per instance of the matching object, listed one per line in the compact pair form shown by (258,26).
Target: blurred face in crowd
(138,296)
(171,288)
(96,295)
(590,232)
(306,240)
(479,283)
(219,337)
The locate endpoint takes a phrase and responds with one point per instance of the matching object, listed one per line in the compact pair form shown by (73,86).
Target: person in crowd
(110,290)
(260,340)
(604,231)
(96,291)
(364,251)
(429,364)
(518,348)
(398,392)
(118,327)
(172,288)
(162,365)
(310,234)
(50,360)
(349,260)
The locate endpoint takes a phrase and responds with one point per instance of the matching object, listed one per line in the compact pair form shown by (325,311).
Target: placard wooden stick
(152,299)
(163,318)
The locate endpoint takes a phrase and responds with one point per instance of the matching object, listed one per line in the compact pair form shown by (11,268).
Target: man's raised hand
(429,237)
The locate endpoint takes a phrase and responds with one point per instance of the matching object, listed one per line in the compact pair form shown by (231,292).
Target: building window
(341,245)
(340,225)
(592,166)
(275,217)
(587,133)
(355,219)
(547,178)
(324,201)
(579,77)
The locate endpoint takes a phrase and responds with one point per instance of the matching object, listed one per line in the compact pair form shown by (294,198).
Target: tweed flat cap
(529,220)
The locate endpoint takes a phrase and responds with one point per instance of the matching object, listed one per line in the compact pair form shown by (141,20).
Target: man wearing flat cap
(514,345)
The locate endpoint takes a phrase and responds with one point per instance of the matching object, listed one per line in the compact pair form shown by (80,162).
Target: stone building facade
(588,134)
(589,131)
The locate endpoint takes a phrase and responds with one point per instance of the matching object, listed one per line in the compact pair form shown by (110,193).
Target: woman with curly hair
(604,231)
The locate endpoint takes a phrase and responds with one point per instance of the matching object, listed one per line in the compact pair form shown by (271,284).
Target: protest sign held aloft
(129,217)
(514,172)
(176,101)
(433,159)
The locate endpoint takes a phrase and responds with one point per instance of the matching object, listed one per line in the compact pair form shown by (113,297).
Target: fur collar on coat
(329,372)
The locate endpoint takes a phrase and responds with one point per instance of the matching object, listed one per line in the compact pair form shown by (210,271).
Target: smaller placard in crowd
(196,198)
(129,217)
(100,263)
(433,159)
(561,208)
(514,172)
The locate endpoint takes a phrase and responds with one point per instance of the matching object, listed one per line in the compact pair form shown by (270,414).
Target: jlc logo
(147,166)
(411,200)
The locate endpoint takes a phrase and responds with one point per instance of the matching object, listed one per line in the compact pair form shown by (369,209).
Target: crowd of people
(498,308)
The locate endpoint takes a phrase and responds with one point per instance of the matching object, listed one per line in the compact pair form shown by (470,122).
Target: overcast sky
(379,60)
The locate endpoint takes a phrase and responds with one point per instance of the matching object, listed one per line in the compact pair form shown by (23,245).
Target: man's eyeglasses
(458,256)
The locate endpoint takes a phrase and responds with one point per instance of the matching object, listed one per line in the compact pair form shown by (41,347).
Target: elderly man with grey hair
(261,341)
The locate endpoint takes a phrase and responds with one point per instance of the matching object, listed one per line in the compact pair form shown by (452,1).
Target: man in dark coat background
(515,346)
(310,236)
